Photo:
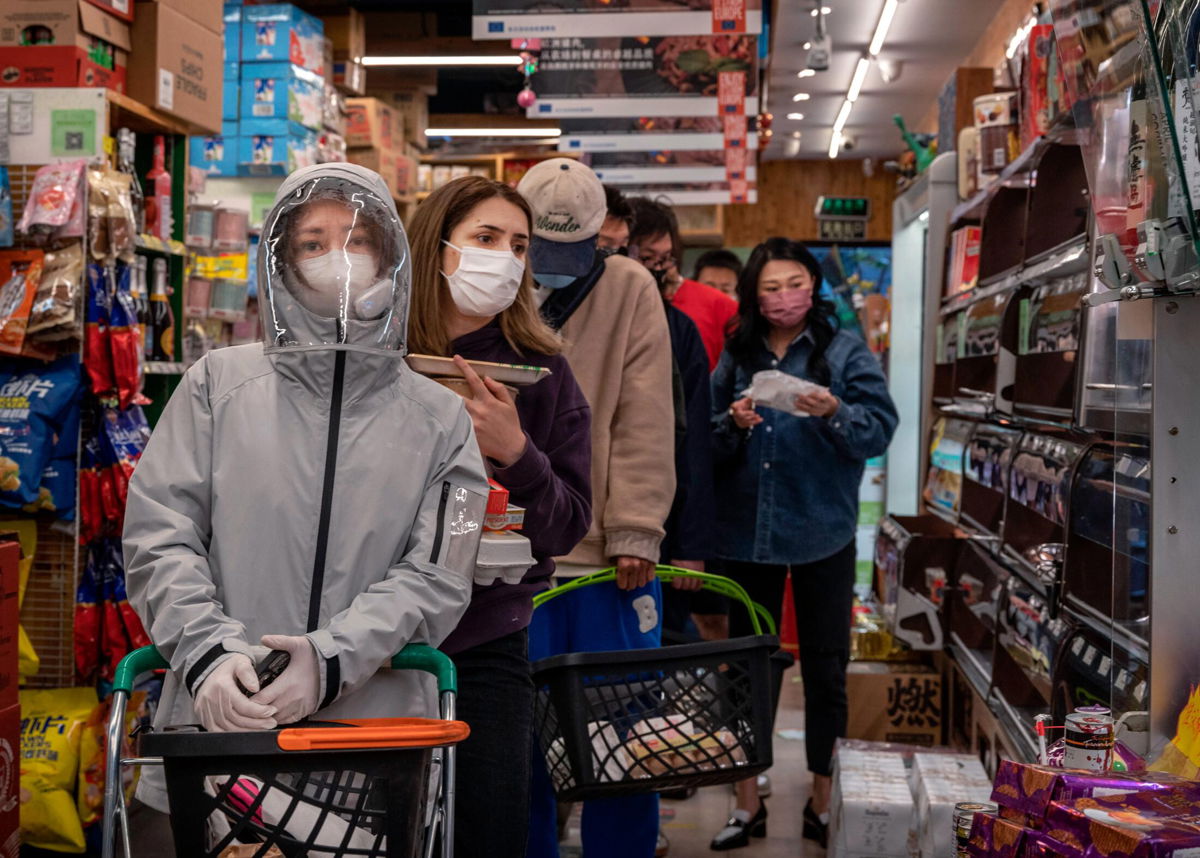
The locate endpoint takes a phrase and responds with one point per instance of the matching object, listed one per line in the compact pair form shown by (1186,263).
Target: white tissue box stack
(872,807)
(940,781)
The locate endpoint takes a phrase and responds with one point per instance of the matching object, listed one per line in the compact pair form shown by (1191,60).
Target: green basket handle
(412,657)
(760,617)
(418,656)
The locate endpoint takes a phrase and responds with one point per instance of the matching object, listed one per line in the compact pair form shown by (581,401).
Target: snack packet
(92,754)
(122,227)
(55,190)
(20,274)
(53,312)
(87,623)
(6,210)
(51,727)
(772,388)
(127,432)
(125,337)
(33,402)
(97,357)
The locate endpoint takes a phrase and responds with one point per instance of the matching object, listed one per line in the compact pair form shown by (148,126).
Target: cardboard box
(382,161)
(894,703)
(120,8)
(350,76)
(940,782)
(283,33)
(406,175)
(282,91)
(274,147)
(65,23)
(216,154)
(10,781)
(871,809)
(232,35)
(413,108)
(370,124)
(209,14)
(347,32)
(10,615)
(231,90)
(177,67)
(56,66)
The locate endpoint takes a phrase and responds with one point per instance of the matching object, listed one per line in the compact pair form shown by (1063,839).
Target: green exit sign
(849,208)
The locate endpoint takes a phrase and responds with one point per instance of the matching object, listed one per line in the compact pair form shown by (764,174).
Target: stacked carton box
(374,137)
(872,808)
(62,43)
(176,66)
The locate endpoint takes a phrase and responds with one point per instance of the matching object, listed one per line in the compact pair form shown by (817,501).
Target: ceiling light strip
(444,62)
(493,132)
(881,29)
(860,77)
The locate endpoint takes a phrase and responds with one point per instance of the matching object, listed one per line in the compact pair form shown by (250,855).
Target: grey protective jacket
(327,491)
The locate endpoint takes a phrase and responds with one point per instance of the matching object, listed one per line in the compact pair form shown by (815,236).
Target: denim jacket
(787,490)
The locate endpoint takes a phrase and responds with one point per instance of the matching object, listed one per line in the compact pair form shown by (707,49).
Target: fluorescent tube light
(795,116)
(806,73)
(881,29)
(493,132)
(801,96)
(835,144)
(860,77)
(498,60)
(842,117)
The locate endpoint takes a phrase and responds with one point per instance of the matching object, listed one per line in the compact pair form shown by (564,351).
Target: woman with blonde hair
(473,299)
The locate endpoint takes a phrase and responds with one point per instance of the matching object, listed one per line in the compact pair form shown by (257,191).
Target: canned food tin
(964,818)
(1089,742)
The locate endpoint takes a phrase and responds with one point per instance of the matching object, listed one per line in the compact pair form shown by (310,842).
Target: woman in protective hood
(309,493)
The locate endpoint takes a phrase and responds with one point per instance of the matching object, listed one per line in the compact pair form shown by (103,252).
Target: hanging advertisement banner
(676,76)
(737,166)
(649,134)
(696,193)
(509,19)
(665,175)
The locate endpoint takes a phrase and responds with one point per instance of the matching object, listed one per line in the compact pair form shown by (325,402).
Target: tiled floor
(691,824)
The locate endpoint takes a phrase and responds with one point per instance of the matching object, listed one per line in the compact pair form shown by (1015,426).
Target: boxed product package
(283,32)
(10,616)
(382,161)
(330,147)
(282,91)
(1135,825)
(10,784)
(177,67)
(216,154)
(230,100)
(413,108)
(964,260)
(66,23)
(333,110)
(347,31)
(894,703)
(502,556)
(207,13)
(274,147)
(1029,789)
(350,76)
(370,124)
(122,9)
(57,66)
(406,175)
(232,15)
(941,781)
(871,809)
(995,837)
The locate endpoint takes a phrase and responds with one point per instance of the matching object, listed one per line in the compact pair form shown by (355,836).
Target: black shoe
(737,834)
(814,828)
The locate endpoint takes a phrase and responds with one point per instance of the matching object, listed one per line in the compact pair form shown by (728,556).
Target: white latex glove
(296,693)
(221,705)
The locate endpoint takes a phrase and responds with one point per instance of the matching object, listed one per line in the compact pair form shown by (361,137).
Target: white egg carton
(504,555)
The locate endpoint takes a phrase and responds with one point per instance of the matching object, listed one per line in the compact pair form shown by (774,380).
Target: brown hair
(432,224)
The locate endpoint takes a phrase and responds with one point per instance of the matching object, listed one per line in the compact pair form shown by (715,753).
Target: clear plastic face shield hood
(333,265)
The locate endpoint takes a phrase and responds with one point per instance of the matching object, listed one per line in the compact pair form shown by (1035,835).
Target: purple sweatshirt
(552,481)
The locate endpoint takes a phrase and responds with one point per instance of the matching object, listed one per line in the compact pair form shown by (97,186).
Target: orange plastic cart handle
(374,733)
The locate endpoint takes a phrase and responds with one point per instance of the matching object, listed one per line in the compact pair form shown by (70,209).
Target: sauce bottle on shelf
(161,328)
(126,142)
(158,199)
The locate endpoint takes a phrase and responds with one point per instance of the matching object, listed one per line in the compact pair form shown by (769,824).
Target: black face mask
(660,276)
(605,252)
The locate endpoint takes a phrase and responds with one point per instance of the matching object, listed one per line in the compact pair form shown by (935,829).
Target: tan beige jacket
(620,351)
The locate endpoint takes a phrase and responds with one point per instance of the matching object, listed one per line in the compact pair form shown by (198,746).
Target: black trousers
(824,598)
(495,698)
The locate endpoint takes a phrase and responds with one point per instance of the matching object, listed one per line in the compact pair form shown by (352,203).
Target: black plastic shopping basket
(640,721)
(336,789)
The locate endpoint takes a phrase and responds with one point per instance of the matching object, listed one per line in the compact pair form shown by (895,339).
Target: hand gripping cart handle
(352,788)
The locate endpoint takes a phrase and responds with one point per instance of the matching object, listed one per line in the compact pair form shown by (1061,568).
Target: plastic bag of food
(87,623)
(127,432)
(26,530)
(92,754)
(33,403)
(97,357)
(55,190)
(125,338)
(57,491)
(52,315)
(6,210)
(774,389)
(122,227)
(674,744)
(98,191)
(91,505)
(51,728)
(20,275)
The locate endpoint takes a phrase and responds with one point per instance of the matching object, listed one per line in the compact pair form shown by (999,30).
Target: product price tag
(166,89)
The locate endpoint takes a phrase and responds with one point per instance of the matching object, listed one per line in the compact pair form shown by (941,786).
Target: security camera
(818,54)
(890,70)
(848,142)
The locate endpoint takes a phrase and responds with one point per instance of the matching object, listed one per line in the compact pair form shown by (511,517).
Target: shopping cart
(331,789)
(640,721)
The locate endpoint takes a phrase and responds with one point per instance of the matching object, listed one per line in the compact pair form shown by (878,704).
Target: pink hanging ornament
(526,97)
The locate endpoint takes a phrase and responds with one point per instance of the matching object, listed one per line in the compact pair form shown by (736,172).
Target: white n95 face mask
(335,274)
(486,281)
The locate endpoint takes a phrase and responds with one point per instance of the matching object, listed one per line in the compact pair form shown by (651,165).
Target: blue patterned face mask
(554,281)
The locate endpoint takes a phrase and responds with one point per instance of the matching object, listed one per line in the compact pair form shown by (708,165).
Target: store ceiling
(930,38)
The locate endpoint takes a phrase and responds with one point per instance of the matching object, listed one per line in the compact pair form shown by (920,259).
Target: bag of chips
(93,752)
(87,623)
(97,357)
(20,275)
(125,338)
(91,505)
(127,433)
(52,315)
(57,492)
(55,190)
(33,403)
(6,211)
(51,728)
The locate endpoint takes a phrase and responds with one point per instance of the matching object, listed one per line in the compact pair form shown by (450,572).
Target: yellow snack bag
(52,724)
(92,756)
(27,658)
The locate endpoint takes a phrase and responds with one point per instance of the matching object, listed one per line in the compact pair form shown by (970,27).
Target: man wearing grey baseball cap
(612,320)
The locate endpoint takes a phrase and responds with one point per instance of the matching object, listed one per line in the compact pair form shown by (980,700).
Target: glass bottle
(161,329)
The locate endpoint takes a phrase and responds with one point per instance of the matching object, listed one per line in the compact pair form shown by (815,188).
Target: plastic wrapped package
(56,187)
(52,316)
(774,389)
(125,338)
(674,744)
(33,403)
(6,209)
(97,357)
(20,275)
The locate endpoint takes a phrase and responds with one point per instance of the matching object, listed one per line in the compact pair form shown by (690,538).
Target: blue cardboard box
(274,147)
(281,32)
(282,91)
(217,154)
(233,33)
(230,89)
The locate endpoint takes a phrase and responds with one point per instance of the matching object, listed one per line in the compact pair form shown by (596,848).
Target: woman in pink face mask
(787,491)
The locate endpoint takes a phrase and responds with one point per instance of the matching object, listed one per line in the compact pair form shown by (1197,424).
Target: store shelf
(165,368)
(125,112)
(1068,258)
(976,666)
(1017,725)
(153,243)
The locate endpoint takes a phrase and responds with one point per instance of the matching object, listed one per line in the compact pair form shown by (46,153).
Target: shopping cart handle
(135,664)
(417,656)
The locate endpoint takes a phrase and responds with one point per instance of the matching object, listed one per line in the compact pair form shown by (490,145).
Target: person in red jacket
(655,243)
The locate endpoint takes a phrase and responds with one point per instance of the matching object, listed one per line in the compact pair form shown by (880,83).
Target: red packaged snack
(20,274)
(124,338)
(87,624)
(97,357)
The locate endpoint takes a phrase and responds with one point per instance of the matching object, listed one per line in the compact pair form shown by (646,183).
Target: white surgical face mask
(333,275)
(486,281)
